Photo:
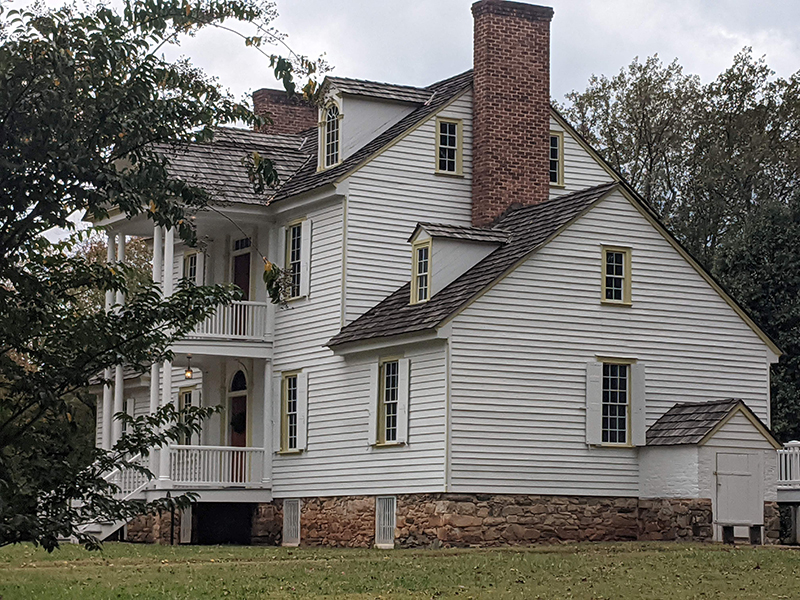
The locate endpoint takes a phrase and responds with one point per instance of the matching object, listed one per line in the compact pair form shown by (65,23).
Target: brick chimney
(511,107)
(289,115)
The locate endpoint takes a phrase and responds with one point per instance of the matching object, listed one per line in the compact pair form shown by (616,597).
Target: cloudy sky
(417,42)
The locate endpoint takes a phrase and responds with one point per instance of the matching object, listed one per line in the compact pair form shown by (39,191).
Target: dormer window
(448,146)
(331,125)
(421,269)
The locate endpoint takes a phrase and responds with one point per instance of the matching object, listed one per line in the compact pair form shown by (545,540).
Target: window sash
(422,263)
(294,246)
(555,156)
(290,413)
(448,146)
(331,136)
(190,267)
(389,402)
(616,404)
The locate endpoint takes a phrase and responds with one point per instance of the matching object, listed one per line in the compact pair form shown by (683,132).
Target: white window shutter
(403,392)
(638,405)
(305,257)
(302,410)
(281,254)
(200,278)
(374,391)
(277,407)
(594,403)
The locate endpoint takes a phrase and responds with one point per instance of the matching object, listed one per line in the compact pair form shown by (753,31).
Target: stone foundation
(267,524)
(772,523)
(452,520)
(153,528)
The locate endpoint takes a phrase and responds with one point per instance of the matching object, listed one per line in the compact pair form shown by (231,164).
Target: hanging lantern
(188,373)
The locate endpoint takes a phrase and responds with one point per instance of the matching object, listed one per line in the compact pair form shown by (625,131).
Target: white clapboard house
(490,337)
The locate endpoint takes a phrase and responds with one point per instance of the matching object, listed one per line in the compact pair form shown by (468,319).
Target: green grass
(580,571)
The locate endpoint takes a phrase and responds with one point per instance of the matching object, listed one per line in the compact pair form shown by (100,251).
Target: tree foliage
(86,95)
(720,163)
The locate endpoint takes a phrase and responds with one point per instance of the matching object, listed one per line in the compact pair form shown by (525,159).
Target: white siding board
(389,196)
(519,357)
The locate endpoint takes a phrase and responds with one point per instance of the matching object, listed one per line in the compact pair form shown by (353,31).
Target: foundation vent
(385,511)
(291,522)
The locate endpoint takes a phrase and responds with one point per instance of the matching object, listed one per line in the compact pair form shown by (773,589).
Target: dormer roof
(457,232)
(374,89)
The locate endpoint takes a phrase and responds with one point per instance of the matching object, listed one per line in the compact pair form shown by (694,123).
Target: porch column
(107,391)
(155,371)
(166,374)
(266,478)
(119,381)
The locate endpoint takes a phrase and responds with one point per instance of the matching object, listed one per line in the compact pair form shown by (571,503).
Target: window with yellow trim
(616,403)
(294,249)
(449,146)
(331,147)
(388,402)
(556,158)
(421,272)
(616,278)
(289,413)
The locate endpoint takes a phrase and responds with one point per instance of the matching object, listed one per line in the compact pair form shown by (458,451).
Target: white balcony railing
(211,466)
(238,321)
(789,466)
(128,480)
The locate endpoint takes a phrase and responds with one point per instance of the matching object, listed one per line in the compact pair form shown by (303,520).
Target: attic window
(420,272)
(448,146)
(616,281)
(556,158)
(331,136)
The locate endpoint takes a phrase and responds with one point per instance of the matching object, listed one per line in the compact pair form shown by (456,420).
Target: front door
(238,428)
(740,500)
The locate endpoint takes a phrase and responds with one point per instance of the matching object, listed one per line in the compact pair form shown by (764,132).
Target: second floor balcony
(242,320)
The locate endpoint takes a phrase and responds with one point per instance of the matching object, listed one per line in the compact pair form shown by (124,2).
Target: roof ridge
(441,83)
(400,85)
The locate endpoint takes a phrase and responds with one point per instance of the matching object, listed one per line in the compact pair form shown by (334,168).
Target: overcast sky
(417,42)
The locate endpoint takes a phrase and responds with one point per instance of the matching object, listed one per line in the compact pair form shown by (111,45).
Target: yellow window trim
(560,136)
(284,449)
(621,362)
(381,441)
(286,250)
(459,172)
(321,166)
(626,285)
(414,247)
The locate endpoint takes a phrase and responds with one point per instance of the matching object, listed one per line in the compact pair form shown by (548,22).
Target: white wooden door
(740,498)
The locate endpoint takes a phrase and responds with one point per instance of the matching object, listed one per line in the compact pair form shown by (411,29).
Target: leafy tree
(86,94)
(720,163)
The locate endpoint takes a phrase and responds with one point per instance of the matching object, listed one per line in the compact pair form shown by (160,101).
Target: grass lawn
(580,571)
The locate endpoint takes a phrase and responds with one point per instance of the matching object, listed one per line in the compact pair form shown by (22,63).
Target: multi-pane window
(289,429)
(556,151)
(241,244)
(389,399)
(448,145)
(184,402)
(294,244)
(190,267)
(331,136)
(615,403)
(421,273)
(616,275)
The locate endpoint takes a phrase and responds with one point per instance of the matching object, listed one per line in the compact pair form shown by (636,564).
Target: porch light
(188,373)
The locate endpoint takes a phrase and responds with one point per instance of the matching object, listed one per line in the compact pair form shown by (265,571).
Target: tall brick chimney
(289,115)
(511,107)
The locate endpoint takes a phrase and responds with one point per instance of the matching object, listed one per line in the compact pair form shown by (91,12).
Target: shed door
(739,496)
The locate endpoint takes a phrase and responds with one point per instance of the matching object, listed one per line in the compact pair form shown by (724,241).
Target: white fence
(239,321)
(789,466)
(216,466)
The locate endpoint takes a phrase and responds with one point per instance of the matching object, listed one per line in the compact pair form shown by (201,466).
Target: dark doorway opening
(222,523)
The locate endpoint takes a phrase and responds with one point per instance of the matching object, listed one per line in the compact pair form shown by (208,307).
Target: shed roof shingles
(689,422)
(528,227)
(460,232)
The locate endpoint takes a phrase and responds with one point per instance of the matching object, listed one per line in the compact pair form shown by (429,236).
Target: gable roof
(309,178)
(374,89)
(217,165)
(460,232)
(697,422)
(528,227)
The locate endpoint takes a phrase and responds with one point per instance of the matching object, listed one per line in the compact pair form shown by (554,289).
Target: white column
(119,381)
(108,411)
(155,371)
(166,374)
(266,479)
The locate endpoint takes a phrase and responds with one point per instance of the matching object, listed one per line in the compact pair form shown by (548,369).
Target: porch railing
(789,466)
(238,321)
(128,480)
(216,465)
